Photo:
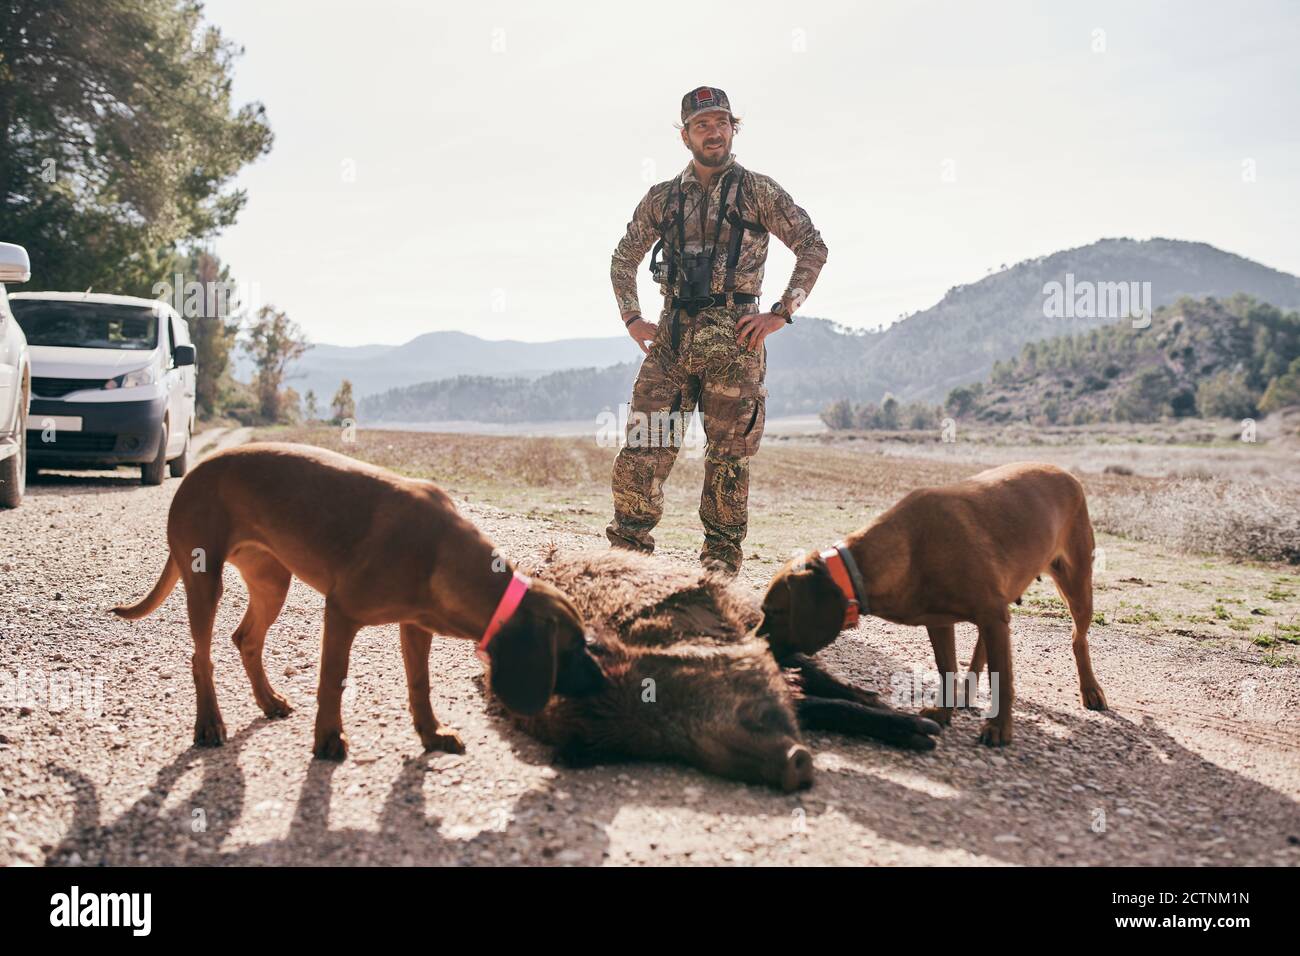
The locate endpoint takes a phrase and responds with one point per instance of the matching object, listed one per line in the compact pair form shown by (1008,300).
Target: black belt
(721,300)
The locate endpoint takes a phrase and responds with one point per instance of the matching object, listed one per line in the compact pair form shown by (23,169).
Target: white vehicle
(15,381)
(113,382)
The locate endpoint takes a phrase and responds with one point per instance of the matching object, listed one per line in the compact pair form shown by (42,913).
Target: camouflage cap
(703,99)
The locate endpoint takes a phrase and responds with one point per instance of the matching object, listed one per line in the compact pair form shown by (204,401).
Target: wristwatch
(780,309)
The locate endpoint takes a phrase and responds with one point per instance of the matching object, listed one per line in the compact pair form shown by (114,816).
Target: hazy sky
(472,166)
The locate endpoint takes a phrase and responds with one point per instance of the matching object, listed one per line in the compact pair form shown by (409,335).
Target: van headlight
(141,376)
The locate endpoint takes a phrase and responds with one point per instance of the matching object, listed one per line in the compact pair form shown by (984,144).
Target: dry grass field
(805,492)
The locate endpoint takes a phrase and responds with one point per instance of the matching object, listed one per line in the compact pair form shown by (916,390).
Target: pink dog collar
(508,604)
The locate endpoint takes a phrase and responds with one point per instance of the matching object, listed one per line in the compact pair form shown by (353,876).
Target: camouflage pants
(701,364)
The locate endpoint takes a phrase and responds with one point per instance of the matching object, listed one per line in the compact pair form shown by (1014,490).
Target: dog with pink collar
(383,549)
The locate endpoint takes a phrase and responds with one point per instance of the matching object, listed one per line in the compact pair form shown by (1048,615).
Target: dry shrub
(1243,519)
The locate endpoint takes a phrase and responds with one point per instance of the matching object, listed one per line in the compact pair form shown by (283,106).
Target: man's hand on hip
(752,329)
(643,333)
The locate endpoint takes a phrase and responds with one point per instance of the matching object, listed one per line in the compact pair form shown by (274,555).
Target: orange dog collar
(847,576)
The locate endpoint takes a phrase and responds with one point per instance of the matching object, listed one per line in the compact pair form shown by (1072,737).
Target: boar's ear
(523,662)
(817,607)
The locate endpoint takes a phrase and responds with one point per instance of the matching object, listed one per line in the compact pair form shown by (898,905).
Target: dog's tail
(166,581)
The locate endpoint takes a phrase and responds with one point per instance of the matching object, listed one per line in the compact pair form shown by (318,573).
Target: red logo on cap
(705,96)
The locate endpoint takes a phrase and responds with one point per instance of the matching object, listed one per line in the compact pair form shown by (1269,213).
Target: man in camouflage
(708,347)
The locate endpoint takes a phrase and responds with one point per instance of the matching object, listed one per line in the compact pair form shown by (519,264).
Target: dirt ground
(1196,762)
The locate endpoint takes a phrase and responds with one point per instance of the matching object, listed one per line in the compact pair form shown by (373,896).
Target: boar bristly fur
(687,679)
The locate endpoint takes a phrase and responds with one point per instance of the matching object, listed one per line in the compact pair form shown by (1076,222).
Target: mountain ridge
(922,357)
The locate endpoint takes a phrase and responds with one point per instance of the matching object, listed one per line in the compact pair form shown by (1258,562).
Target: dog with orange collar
(958,553)
(383,549)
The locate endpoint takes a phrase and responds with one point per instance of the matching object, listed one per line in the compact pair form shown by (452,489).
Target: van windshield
(86,325)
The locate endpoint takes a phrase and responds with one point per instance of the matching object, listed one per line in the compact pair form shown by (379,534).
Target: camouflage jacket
(762,202)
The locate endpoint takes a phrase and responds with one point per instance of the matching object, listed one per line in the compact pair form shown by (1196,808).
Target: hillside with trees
(817,363)
(569,395)
(1206,358)
(958,340)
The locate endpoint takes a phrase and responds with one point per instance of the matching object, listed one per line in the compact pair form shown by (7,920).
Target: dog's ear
(803,609)
(523,663)
(775,625)
(543,650)
(817,607)
(577,672)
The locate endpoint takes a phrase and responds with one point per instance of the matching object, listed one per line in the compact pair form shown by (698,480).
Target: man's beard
(705,158)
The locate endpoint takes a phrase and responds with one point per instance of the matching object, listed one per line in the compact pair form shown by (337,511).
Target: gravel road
(1197,762)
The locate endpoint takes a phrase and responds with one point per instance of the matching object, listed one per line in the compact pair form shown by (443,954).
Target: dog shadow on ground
(151,832)
(147,833)
(1074,788)
(1070,790)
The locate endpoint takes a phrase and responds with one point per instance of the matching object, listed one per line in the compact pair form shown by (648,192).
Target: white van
(15,378)
(113,382)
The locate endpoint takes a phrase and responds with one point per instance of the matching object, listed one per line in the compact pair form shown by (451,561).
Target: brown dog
(963,552)
(383,549)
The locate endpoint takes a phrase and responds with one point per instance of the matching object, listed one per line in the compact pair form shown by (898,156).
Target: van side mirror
(183,355)
(14,264)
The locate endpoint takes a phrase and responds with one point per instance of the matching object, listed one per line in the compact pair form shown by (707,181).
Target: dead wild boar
(689,681)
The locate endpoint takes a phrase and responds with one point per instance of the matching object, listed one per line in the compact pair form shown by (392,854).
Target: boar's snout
(788,766)
(775,758)
(798,771)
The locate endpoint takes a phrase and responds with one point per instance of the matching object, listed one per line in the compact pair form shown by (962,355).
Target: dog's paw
(277,707)
(995,733)
(209,733)
(1093,698)
(443,741)
(333,746)
(940,715)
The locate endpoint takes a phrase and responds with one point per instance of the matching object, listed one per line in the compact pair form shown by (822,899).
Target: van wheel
(155,471)
(13,470)
(179,465)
